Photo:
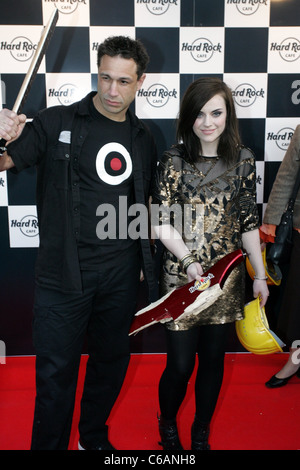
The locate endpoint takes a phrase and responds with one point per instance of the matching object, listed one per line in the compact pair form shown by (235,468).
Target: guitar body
(189,299)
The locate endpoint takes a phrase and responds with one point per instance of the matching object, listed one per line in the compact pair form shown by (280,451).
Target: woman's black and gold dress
(210,205)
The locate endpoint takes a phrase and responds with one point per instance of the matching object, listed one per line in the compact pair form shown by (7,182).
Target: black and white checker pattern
(254,45)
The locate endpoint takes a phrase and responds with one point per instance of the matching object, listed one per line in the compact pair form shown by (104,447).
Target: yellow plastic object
(272,271)
(253,331)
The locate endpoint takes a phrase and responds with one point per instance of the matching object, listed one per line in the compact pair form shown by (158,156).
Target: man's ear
(141,81)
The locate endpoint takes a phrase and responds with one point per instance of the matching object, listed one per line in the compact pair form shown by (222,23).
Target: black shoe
(169,434)
(200,434)
(104,445)
(275,382)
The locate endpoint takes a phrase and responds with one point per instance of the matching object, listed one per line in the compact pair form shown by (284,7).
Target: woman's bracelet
(260,278)
(187,260)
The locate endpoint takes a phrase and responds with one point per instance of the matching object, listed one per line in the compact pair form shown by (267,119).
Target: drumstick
(33,69)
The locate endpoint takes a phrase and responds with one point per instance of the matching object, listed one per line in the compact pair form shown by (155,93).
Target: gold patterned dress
(211,206)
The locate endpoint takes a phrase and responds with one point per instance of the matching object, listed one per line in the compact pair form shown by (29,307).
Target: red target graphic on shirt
(113,163)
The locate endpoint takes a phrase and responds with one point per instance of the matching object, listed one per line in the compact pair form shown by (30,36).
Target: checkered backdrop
(254,45)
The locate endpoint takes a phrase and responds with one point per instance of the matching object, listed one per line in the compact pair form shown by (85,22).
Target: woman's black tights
(209,341)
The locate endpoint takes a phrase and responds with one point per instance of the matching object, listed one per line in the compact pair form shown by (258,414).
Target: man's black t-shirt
(106,191)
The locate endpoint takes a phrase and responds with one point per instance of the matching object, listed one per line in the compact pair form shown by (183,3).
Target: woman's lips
(208,131)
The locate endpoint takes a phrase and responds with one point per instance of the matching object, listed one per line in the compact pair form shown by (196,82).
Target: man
(87,155)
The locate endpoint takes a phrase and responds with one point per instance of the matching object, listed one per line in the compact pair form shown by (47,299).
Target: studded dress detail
(211,205)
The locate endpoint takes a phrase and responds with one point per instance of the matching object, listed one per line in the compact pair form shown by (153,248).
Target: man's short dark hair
(127,48)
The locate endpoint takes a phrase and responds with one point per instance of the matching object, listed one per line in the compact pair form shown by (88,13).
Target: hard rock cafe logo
(202,49)
(66,6)
(28,225)
(282,138)
(157,95)
(21,48)
(203,284)
(288,49)
(246,94)
(157,7)
(247,7)
(66,94)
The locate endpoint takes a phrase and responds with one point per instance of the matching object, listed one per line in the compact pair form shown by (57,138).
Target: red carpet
(248,417)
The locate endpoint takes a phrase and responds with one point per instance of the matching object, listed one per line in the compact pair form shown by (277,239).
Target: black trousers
(289,316)
(102,313)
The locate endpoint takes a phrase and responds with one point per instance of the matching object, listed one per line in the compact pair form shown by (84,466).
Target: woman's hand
(261,290)
(194,272)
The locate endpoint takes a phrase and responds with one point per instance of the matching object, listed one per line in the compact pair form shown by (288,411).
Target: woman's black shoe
(169,434)
(275,382)
(200,433)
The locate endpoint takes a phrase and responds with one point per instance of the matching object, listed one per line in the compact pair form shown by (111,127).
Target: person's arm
(162,228)
(11,127)
(251,244)
(6,162)
(173,241)
(284,182)
(267,232)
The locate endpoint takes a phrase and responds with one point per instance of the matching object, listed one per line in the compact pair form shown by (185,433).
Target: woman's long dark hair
(195,97)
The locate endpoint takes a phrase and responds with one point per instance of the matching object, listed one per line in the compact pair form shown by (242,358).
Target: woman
(211,173)
(289,317)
